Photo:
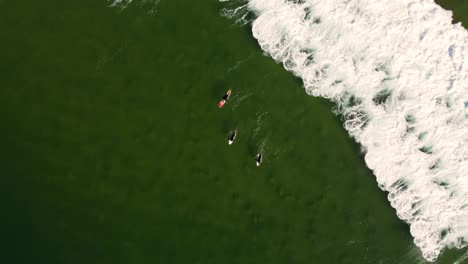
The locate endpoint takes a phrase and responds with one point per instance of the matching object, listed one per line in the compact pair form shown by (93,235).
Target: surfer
(224,99)
(258,159)
(232,137)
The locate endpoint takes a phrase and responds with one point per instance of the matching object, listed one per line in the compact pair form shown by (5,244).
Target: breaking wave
(396,70)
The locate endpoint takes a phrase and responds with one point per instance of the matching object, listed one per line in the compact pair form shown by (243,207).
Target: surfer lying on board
(224,99)
(258,159)
(232,137)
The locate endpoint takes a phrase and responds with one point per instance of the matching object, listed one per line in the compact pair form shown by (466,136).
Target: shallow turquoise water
(114,150)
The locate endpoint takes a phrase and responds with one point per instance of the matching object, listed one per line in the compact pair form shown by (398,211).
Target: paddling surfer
(258,159)
(232,137)
(224,99)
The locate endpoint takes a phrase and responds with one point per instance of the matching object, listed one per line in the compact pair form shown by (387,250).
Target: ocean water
(397,72)
(114,150)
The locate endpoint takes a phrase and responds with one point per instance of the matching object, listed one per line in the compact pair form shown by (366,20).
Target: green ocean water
(113,149)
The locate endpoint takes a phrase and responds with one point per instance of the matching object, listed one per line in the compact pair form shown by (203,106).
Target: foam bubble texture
(397,71)
(120,3)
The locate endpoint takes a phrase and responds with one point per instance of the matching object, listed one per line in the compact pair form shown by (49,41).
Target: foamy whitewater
(152,4)
(396,70)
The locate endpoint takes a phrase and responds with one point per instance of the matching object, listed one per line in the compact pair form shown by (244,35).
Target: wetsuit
(259,158)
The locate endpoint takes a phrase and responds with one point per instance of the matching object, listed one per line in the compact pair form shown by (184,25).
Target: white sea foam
(120,3)
(397,72)
(151,5)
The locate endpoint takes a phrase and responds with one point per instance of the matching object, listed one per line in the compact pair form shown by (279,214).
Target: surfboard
(232,137)
(258,159)
(222,102)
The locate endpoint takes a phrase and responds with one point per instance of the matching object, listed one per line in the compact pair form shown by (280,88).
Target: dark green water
(114,150)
